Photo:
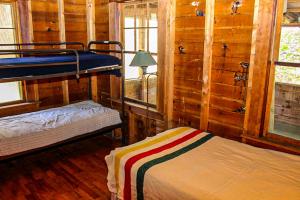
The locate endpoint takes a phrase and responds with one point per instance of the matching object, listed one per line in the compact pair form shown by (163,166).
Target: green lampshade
(142,59)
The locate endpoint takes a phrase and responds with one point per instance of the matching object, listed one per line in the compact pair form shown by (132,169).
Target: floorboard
(72,172)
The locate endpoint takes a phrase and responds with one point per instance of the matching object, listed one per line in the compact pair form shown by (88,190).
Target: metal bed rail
(52,44)
(121,51)
(41,51)
(21,52)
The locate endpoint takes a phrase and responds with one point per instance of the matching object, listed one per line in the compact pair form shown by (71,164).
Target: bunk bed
(36,131)
(185,163)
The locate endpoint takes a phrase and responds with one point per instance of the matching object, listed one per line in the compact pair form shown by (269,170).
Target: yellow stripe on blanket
(146,144)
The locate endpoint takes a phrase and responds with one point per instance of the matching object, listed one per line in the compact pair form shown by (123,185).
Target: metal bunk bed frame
(77,72)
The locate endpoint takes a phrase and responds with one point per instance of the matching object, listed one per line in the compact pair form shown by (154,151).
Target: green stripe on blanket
(143,169)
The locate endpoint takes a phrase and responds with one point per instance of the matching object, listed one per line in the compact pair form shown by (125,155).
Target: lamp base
(144,68)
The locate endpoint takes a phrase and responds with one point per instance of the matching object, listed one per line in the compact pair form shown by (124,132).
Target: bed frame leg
(124,133)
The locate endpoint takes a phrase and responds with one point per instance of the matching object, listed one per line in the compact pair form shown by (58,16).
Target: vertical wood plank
(259,59)
(91,34)
(61,21)
(94,88)
(65,90)
(30,23)
(36,93)
(90,14)
(274,56)
(23,20)
(166,48)
(114,34)
(207,63)
(62,38)
(31,39)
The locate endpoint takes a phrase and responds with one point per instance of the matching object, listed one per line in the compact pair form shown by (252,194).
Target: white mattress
(38,129)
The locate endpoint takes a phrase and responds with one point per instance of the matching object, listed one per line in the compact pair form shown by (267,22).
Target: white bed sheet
(38,129)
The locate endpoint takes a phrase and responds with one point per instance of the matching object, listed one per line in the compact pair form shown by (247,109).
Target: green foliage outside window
(289,52)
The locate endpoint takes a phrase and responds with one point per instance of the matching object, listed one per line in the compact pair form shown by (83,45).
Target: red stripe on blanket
(130,162)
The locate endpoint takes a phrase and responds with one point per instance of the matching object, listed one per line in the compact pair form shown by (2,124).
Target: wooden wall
(102,19)
(232,45)
(287,104)
(189,33)
(76,20)
(215,45)
(45,20)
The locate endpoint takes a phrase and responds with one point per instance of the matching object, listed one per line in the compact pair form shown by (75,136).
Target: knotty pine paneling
(75,20)
(189,33)
(227,95)
(102,33)
(102,19)
(50,92)
(45,20)
(104,89)
(78,89)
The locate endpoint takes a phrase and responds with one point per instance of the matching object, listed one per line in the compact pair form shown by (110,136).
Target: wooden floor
(72,172)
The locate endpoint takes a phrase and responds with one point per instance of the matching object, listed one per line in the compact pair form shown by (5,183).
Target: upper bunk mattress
(87,60)
(38,129)
(189,164)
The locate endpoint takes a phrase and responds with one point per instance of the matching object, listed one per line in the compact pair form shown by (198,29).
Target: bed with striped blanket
(186,164)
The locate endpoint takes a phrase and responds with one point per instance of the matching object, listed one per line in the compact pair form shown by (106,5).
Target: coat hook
(181,49)
(241,110)
(245,65)
(235,6)
(198,11)
(240,77)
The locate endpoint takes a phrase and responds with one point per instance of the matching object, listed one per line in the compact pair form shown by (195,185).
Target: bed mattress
(185,163)
(87,60)
(38,129)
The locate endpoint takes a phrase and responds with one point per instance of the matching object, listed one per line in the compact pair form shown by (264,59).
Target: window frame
(166,48)
(17,35)
(274,56)
(122,35)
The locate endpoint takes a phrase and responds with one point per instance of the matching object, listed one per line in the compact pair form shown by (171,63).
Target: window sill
(140,103)
(268,143)
(12,103)
(139,109)
(18,108)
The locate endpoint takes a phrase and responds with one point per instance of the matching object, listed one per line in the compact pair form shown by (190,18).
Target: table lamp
(143,59)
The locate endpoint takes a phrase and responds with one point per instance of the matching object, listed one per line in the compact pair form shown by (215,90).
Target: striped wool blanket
(186,163)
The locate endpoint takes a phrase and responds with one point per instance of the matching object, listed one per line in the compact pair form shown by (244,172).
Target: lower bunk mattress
(185,163)
(39,129)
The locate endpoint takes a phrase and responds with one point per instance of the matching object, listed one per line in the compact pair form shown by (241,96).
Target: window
(285,110)
(9,92)
(140,32)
